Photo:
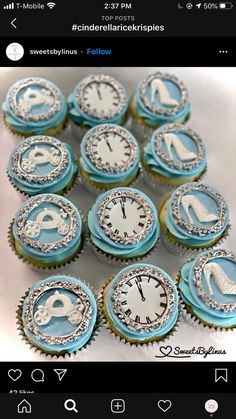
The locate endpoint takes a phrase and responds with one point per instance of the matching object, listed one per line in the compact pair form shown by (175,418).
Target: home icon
(24,407)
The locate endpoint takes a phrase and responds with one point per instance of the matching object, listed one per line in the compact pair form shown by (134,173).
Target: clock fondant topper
(141,303)
(97,99)
(123,223)
(110,157)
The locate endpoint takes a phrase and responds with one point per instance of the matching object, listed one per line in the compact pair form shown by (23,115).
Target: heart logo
(166,350)
(14,374)
(164,405)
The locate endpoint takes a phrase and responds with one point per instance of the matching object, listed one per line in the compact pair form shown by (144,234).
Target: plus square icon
(117,406)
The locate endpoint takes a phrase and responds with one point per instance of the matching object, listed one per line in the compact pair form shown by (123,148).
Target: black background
(169,52)
(177,22)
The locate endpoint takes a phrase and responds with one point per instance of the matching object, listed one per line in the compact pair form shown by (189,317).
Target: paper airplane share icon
(60,373)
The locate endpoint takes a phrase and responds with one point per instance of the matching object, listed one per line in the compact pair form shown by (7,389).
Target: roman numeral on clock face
(137,319)
(148,320)
(128,312)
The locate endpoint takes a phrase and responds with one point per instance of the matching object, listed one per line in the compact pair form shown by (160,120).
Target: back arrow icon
(12,23)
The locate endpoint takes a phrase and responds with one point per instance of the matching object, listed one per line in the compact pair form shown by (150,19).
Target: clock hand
(108,144)
(98,91)
(140,289)
(123,209)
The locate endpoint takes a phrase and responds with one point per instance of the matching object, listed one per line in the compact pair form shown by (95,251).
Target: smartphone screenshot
(117,225)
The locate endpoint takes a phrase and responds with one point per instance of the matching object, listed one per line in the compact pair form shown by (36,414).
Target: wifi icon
(51,5)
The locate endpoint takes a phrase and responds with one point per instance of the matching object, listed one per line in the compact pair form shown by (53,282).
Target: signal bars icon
(9,6)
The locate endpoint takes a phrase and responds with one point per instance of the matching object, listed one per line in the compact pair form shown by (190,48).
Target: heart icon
(164,405)
(14,374)
(166,350)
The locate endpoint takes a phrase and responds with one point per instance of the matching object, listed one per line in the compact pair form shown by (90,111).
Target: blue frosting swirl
(155,119)
(160,166)
(48,236)
(51,186)
(100,176)
(121,327)
(103,242)
(81,118)
(191,238)
(190,296)
(39,127)
(59,326)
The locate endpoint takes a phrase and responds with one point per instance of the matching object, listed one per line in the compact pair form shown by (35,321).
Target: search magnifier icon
(70,405)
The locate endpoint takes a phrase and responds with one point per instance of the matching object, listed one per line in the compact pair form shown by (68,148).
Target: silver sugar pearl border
(190,228)
(34,296)
(198,271)
(22,84)
(158,111)
(130,323)
(171,128)
(79,96)
(107,129)
(30,142)
(35,202)
(148,223)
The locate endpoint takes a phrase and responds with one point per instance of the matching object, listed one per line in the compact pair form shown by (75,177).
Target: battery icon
(226,6)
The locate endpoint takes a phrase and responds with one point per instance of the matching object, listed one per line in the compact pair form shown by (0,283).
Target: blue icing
(38,127)
(121,327)
(191,238)
(158,119)
(60,326)
(53,186)
(81,118)
(159,166)
(49,235)
(103,242)
(191,297)
(105,177)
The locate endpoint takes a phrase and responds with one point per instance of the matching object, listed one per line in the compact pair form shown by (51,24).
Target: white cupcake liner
(60,266)
(141,132)
(123,340)
(178,249)
(116,262)
(162,188)
(96,331)
(194,321)
(95,191)
(157,187)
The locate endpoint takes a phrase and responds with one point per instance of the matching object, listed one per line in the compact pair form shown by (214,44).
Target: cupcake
(97,99)
(123,226)
(35,106)
(47,231)
(208,289)
(195,217)
(175,155)
(58,315)
(109,157)
(42,164)
(160,99)
(140,304)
